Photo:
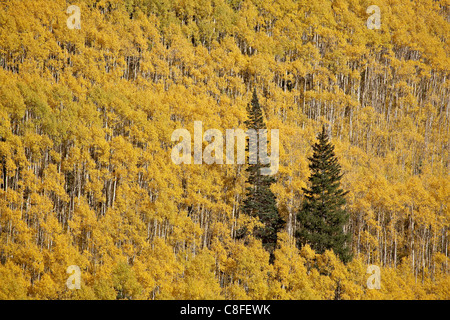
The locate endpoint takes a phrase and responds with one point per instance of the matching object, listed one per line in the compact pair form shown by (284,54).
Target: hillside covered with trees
(87,114)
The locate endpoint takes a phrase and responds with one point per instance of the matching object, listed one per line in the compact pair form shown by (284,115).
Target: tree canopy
(87,114)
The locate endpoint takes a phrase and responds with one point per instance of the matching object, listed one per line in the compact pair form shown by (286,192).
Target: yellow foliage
(86,176)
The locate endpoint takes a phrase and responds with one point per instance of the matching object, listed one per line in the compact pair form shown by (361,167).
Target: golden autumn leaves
(86,117)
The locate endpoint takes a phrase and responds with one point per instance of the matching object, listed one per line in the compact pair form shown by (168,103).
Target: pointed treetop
(255,116)
(323,136)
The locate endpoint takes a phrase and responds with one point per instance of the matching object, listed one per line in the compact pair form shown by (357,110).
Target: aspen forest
(87,114)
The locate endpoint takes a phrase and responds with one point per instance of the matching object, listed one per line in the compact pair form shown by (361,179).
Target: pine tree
(260,201)
(321,217)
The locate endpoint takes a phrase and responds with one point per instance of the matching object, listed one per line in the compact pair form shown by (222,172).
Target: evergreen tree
(321,216)
(260,201)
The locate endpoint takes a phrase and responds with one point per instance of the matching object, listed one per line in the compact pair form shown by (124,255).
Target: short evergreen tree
(260,201)
(322,217)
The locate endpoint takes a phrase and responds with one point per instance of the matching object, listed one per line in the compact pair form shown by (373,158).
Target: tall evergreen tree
(322,217)
(260,201)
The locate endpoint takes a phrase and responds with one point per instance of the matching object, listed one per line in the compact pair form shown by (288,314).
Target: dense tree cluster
(86,117)
(322,217)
